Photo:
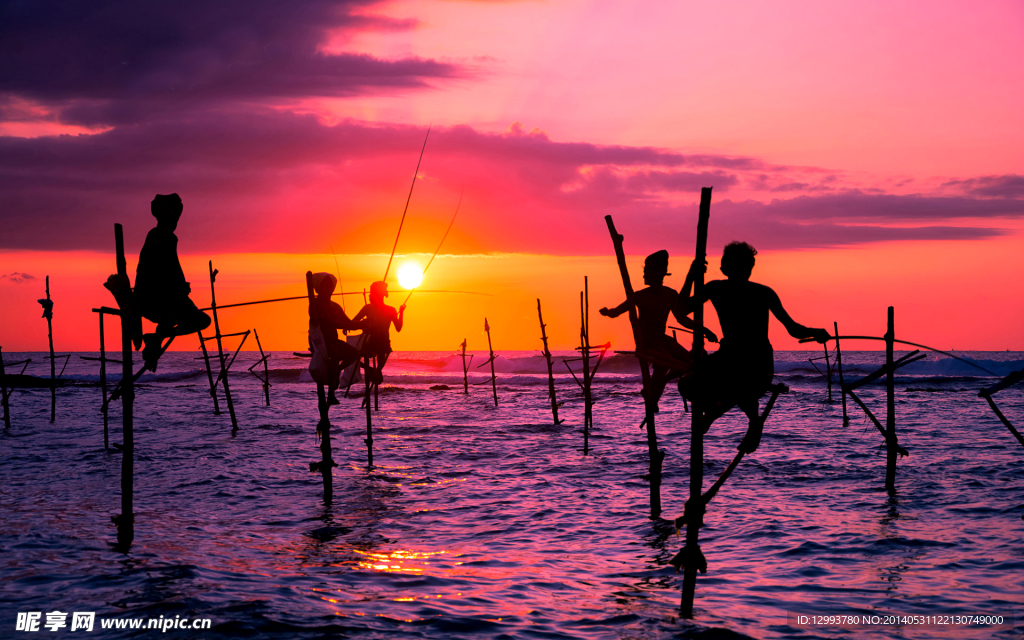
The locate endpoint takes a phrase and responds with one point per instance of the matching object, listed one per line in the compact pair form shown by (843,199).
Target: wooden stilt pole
(3,392)
(209,374)
(103,385)
(266,368)
(890,418)
(551,374)
(842,382)
(323,427)
(656,456)
(369,418)
(494,380)
(220,349)
(588,415)
(693,558)
(465,365)
(48,309)
(126,521)
(828,372)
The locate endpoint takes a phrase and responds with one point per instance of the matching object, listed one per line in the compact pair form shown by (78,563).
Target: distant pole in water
(126,521)
(3,393)
(842,382)
(465,367)
(369,414)
(266,368)
(691,552)
(220,349)
(655,455)
(323,427)
(48,314)
(209,373)
(588,409)
(551,374)
(890,418)
(494,380)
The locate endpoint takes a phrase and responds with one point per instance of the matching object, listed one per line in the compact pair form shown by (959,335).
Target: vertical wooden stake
(266,368)
(588,409)
(3,391)
(465,366)
(828,372)
(891,449)
(103,384)
(369,419)
(323,428)
(697,418)
(656,456)
(551,374)
(220,349)
(494,380)
(53,363)
(126,521)
(209,374)
(839,365)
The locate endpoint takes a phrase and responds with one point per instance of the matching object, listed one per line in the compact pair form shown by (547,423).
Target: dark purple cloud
(1007,186)
(17,277)
(268,181)
(123,60)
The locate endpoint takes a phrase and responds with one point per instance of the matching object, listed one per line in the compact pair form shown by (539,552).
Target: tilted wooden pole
(53,363)
(369,419)
(691,552)
(3,391)
(551,374)
(890,418)
(126,521)
(220,349)
(494,379)
(588,408)
(839,365)
(266,368)
(209,374)
(323,427)
(656,456)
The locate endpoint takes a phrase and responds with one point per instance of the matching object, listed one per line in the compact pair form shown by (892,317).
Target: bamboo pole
(323,427)
(369,416)
(103,385)
(839,365)
(828,372)
(655,455)
(126,521)
(266,368)
(209,374)
(588,415)
(494,380)
(890,396)
(551,374)
(465,365)
(691,552)
(48,313)
(3,391)
(220,349)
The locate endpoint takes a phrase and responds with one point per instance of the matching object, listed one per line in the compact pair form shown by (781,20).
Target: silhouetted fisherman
(740,372)
(653,304)
(379,318)
(332,317)
(161,291)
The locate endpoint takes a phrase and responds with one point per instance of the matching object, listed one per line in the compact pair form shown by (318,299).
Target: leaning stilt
(692,558)
(220,349)
(126,520)
(490,359)
(988,392)
(839,366)
(369,414)
(465,367)
(48,314)
(890,403)
(655,455)
(209,373)
(551,374)
(264,357)
(103,360)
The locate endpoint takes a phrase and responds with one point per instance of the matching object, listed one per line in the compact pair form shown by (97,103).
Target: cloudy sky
(871,151)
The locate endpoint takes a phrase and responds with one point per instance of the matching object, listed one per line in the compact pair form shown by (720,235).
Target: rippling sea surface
(484,522)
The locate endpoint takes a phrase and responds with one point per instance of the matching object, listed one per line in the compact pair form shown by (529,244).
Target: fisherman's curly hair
(738,256)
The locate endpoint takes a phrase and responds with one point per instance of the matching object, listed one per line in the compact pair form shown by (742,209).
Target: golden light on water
(410,275)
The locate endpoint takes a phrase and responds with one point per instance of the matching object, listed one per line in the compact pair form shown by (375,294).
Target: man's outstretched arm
(794,328)
(616,312)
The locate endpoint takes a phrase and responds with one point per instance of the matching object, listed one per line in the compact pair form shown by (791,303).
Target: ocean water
(485,522)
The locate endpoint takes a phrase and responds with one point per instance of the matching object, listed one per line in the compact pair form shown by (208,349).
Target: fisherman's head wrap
(164,204)
(379,289)
(738,258)
(657,264)
(324,283)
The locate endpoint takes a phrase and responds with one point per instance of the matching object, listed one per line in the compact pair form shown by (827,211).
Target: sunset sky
(871,151)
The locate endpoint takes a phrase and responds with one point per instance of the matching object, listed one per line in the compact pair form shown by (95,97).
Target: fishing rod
(457,207)
(913,344)
(406,210)
(350,293)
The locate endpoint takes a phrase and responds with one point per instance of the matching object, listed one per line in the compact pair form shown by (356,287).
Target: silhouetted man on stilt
(653,304)
(330,317)
(378,318)
(740,372)
(161,292)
